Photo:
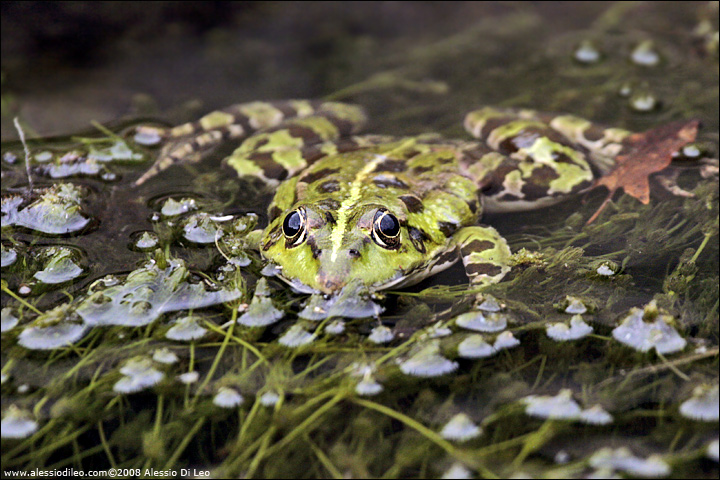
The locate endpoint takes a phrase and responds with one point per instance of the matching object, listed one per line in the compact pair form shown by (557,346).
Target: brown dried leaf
(646,153)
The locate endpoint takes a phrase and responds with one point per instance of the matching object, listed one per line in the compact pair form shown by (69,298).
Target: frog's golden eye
(294,228)
(386,229)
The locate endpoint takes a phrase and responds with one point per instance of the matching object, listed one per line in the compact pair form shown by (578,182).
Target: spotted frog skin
(383,211)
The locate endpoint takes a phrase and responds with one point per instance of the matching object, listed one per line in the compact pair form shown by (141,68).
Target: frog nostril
(354,253)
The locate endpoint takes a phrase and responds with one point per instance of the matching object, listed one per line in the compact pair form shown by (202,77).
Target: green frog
(381,211)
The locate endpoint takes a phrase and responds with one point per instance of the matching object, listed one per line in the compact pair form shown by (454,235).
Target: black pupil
(389,225)
(292,224)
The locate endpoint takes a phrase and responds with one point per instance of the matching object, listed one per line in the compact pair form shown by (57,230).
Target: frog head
(321,250)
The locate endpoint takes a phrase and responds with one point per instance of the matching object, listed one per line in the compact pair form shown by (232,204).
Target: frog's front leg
(485,254)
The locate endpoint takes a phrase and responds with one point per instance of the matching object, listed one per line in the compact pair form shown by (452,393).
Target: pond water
(139,331)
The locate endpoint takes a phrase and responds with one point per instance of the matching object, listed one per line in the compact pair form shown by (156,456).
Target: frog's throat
(343,212)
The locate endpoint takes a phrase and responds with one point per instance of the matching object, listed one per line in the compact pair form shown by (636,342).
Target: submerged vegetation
(140,331)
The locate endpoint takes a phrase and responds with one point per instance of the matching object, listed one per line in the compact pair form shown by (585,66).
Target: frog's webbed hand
(484,253)
(529,160)
(188,142)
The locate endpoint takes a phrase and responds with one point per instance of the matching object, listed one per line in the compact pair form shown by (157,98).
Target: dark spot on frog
(478,246)
(384,181)
(413,203)
(328,204)
(315,176)
(474,269)
(329,187)
(594,133)
(392,166)
(299,131)
(445,160)
(353,253)
(421,169)
(274,212)
(447,228)
(472,205)
(417,237)
(313,248)
(273,237)
(329,218)
(261,142)
(447,257)
(491,124)
(508,197)
(538,187)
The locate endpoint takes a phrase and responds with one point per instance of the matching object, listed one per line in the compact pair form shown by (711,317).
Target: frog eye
(386,229)
(294,228)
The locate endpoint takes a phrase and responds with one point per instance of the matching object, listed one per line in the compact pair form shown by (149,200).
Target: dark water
(415,67)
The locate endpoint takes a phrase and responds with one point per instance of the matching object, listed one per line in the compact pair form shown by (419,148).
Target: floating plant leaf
(186,329)
(505,340)
(8,319)
(563,407)
(703,405)
(118,151)
(713,450)
(147,293)
(381,334)
(645,54)
(269,399)
(164,355)
(261,311)
(56,328)
(17,423)
(227,398)
(336,327)
(437,331)
(60,267)
(457,471)
(145,241)
(69,164)
(561,332)
(56,212)
(148,135)
(460,428)
(353,301)
(560,407)
(427,362)
(189,377)
(488,303)
(640,335)
(172,207)
(296,336)
(139,374)
(9,255)
(573,305)
(623,460)
(200,228)
(475,346)
(368,386)
(482,321)
(607,269)
(595,415)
